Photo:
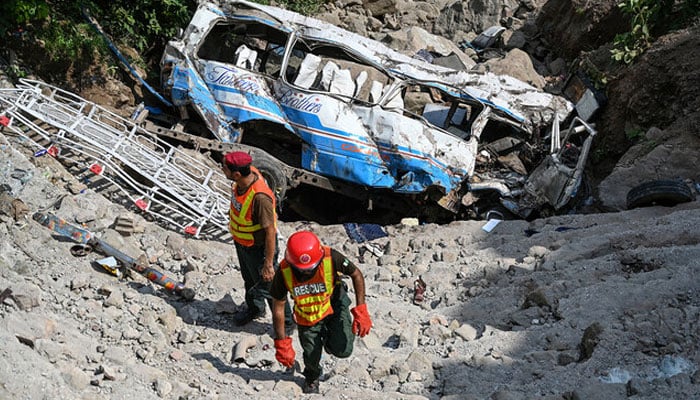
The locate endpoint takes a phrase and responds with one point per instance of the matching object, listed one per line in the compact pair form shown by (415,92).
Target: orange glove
(360,321)
(285,352)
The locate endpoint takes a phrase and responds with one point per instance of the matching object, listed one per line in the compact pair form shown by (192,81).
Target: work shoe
(310,386)
(247,316)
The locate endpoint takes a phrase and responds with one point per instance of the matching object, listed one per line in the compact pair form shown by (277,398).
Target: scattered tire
(272,171)
(498,212)
(659,192)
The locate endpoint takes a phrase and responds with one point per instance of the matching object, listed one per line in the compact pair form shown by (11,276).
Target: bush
(305,7)
(651,18)
(67,36)
(16,14)
(144,25)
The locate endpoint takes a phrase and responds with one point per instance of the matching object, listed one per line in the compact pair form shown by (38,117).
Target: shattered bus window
(328,68)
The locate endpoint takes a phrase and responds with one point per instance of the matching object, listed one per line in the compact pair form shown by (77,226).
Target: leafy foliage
(71,40)
(650,18)
(55,25)
(630,45)
(67,36)
(146,24)
(305,7)
(17,13)
(634,134)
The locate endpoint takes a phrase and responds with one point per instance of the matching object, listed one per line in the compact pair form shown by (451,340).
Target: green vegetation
(143,24)
(306,7)
(14,14)
(649,19)
(634,134)
(57,32)
(630,45)
(14,72)
(67,37)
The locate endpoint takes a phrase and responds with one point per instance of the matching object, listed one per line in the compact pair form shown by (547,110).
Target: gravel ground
(571,307)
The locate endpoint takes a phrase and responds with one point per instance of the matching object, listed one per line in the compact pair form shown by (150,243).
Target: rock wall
(573,26)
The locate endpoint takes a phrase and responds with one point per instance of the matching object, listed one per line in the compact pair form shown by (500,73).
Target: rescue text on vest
(312,288)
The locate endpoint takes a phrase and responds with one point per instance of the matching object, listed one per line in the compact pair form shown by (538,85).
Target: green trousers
(333,333)
(257,291)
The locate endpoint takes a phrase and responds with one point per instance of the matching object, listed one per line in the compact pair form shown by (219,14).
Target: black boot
(310,386)
(247,316)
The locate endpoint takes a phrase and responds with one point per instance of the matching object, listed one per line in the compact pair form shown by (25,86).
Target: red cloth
(237,159)
(285,352)
(361,322)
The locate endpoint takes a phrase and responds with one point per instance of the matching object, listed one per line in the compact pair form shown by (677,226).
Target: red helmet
(304,250)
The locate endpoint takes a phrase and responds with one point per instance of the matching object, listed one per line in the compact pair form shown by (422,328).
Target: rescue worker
(253,224)
(310,273)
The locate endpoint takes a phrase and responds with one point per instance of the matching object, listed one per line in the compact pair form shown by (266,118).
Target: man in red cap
(253,225)
(310,274)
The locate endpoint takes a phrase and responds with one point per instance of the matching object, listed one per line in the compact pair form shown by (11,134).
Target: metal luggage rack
(159,179)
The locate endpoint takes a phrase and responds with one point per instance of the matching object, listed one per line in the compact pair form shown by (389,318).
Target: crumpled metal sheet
(352,127)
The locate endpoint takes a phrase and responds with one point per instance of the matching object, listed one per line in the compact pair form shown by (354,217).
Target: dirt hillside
(573,307)
(597,306)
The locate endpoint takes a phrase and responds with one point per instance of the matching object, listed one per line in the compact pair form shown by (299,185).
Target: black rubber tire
(272,171)
(496,214)
(660,192)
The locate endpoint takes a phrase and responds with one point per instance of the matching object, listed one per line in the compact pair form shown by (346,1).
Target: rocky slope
(597,306)
(572,307)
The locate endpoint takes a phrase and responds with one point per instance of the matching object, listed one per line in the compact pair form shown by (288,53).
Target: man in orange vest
(253,225)
(310,273)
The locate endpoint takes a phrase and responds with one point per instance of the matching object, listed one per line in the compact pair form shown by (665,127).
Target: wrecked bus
(366,121)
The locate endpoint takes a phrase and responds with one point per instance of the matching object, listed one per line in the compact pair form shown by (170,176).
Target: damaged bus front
(324,100)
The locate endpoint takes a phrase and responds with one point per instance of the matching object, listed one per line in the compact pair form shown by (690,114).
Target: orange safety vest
(241,213)
(312,298)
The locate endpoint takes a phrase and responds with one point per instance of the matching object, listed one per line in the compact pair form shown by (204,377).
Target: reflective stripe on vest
(241,212)
(312,298)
